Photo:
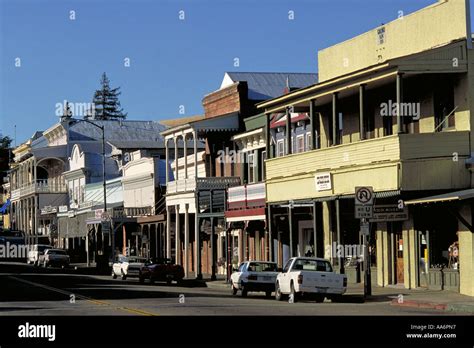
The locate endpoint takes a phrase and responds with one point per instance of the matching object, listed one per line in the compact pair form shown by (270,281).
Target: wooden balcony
(408,162)
(209,183)
(40,186)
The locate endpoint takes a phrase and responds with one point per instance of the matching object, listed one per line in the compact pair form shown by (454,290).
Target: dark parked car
(161,270)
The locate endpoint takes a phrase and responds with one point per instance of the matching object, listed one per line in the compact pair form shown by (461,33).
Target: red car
(161,270)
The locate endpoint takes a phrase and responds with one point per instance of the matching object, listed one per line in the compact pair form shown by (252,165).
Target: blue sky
(173,62)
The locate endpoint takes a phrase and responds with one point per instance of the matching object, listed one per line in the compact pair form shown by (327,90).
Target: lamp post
(102,128)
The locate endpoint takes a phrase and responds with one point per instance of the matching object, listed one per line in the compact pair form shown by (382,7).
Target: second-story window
(280,148)
(308,141)
(251,166)
(300,143)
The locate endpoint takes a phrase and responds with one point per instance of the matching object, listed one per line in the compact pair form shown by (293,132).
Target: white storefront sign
(323,181)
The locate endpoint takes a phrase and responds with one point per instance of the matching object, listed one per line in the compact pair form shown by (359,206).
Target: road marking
(86,298)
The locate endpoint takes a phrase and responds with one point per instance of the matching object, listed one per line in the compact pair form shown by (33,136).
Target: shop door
(399,258)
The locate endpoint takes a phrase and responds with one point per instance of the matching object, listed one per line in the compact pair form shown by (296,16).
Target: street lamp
(102,128)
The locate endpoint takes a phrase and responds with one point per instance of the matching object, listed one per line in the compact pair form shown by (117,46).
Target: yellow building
(391,110)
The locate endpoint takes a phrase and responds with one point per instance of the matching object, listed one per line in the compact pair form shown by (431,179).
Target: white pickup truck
(310,276)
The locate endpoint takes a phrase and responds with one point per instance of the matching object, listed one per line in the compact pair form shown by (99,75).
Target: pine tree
(106,103)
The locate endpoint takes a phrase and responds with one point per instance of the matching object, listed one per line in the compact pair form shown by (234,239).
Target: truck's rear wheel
(293,293)
(233,289)
(319,299)
(278,294)
(244,292)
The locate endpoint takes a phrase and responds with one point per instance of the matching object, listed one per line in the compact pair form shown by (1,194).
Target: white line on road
(89,299)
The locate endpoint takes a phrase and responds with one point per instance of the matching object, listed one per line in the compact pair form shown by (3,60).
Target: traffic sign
(364,211)
(364,195)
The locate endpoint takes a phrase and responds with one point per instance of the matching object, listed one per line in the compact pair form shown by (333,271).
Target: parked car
(127,266)
(36,252)
(254,276)
(55,257)
(161,270)
(303,276)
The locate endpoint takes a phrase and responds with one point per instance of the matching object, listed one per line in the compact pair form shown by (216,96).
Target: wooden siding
(406,161)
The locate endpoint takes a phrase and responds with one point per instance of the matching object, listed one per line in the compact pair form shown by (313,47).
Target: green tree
(106,105)
(5,142)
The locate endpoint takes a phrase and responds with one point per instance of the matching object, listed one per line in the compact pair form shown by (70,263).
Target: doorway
(399,258)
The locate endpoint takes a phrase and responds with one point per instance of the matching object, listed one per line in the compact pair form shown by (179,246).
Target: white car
(127,266)
(254,276)
(55,257)
(310,276)
(36,252)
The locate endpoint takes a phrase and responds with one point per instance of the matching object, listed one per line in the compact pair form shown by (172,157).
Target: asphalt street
(25,290)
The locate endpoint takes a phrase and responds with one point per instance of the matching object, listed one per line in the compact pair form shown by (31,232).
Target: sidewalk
(398,296)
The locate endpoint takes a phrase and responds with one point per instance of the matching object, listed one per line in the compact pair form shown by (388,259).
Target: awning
(446,197)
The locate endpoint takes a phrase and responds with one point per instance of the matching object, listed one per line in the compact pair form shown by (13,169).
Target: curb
(420,304)
(461,307)
(217,285)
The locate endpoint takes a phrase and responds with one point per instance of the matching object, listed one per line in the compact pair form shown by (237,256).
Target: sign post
(364,209)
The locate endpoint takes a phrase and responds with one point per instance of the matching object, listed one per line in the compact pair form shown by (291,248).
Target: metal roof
(266,85)
(122,131)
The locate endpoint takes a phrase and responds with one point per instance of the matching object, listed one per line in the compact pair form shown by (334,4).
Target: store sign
(389,212)
(49,210)
(323,181)
(98,213)
(62,208)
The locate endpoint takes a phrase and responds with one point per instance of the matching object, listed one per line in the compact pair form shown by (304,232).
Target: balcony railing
(141,211)
(410,162)
(246,197)
(40,186)
(211,183)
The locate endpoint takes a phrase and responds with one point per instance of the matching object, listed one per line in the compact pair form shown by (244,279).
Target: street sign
(105,227)
(364,195)
(389,212)
(98,213)
(363,211)
(364,229)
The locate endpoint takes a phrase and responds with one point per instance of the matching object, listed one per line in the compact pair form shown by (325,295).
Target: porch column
(185,149)
(399,102)
(197,245)
(176,158)
(213,250)
(466,253)
(410,263)
(340,260)
(361,111)
(327,231)
(270,231)
(167,156)
(315,228)
(186,240)
(290,227)
(334,119)
(246,242)
(383,255)
(177,236)
(288,132)
(195,156)
(267,136)
(313,125)
(168,232)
